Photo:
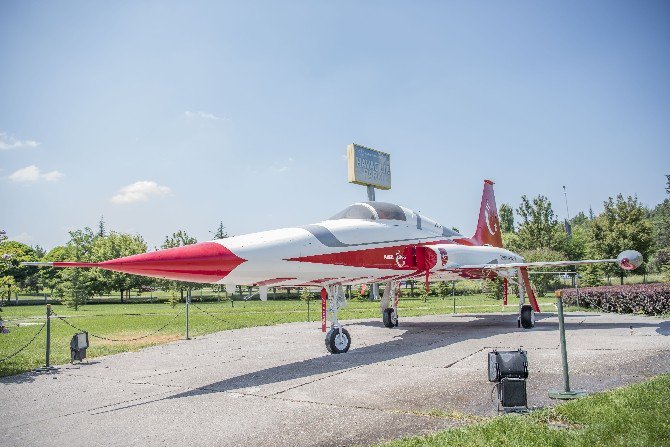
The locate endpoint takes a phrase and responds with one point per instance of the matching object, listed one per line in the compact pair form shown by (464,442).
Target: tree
(51,277)
(220,232)
(178,239)
(660,218)
(493,288)
(117,245)
(539,227)
(101,227)
(543,282)
(506,215)
(14,276)
(621,226)
(77,286)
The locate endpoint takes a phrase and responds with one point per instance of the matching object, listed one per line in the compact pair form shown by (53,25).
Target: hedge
(649,299)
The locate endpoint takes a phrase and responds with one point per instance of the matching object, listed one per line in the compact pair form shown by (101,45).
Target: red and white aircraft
(367,242)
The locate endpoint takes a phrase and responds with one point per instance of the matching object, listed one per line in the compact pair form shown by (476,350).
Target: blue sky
(177,115)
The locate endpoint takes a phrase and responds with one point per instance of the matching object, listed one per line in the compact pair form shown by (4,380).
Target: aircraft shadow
(412,338)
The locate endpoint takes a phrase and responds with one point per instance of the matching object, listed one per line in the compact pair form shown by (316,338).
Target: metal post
(566,393)
(374,290)
(564,350)
(453,294)
(371,193)
(47,365)
(308,317)
(188,301)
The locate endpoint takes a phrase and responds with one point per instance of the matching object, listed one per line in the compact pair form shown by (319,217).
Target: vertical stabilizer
(488,225)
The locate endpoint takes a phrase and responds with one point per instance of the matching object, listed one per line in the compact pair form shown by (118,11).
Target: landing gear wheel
(527,317)
(390,318)
(337,343)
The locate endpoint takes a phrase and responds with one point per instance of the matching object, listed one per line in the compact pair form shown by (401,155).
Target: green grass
(128,321)
(636,415)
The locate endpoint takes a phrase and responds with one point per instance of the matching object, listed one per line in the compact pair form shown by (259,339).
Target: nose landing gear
(338,339)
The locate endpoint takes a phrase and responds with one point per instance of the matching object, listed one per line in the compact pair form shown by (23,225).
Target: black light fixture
(509,371)
(78,346)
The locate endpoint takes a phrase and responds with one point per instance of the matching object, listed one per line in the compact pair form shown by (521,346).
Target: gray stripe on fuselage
(327,238)
(324,235)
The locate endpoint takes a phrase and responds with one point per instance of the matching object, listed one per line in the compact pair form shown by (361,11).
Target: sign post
(371,168)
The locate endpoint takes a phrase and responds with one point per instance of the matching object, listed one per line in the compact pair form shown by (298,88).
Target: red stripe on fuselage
(387,258)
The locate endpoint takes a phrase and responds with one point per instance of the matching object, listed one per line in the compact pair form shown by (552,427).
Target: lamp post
(566,392)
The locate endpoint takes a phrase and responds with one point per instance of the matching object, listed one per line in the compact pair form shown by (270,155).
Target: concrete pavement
(277,385)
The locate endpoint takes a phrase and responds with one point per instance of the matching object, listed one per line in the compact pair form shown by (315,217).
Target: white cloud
(282,167)
(139,191)
(9,142)
(28,174)
(52,176)
(31,174)
(202,115)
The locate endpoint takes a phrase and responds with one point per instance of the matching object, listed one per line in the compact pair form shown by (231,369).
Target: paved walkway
(277,386)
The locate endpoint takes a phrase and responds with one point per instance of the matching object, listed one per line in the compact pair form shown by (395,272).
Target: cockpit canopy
(372,211)
(393,212)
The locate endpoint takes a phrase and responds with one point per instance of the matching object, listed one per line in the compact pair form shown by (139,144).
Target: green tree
(493,288)
(506,215)
(538,227)
(177,288)
(117,245)
(77,286)
(51,277)
(543,282)
(102,232)
(660,218)
(14,276)
(621,226)
(220,232)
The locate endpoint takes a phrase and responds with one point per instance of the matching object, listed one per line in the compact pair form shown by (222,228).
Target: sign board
(369,167)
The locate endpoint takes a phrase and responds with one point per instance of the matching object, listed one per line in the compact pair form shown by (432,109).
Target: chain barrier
(116,339)
(24,346)
(204,311)
(276,321)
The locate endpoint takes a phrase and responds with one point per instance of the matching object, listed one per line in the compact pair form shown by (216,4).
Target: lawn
(159,323)
(636,415)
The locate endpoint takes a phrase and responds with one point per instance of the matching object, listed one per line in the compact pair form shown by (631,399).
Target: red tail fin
(488,226)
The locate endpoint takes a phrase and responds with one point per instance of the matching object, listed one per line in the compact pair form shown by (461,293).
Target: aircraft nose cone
(205,262)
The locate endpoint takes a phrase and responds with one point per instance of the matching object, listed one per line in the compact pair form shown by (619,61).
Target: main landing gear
(526,317)
(338,339)
(390,314)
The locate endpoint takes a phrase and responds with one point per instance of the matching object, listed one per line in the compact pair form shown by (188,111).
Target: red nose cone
(206,262)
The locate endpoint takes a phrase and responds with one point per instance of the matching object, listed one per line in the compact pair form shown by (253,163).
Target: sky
(163,115)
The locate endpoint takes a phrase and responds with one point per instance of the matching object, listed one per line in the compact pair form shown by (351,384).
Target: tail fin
(488,226)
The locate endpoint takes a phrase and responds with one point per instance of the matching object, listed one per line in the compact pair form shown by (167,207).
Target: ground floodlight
(509,370)
(78,346)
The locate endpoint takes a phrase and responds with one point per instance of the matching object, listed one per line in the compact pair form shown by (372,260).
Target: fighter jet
(367,242)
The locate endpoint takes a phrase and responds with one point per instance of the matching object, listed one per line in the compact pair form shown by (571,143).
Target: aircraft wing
(627,260)
(513,265)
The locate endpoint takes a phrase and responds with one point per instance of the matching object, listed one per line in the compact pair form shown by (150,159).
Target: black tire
(336,344)
(527,317)
(388,318)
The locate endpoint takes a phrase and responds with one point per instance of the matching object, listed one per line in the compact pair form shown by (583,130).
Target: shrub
(649,299)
